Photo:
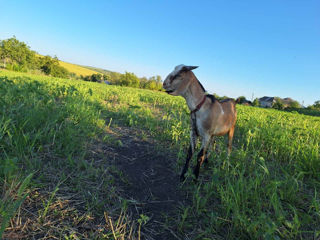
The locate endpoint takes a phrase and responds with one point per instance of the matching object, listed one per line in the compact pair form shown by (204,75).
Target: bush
(278,104)
(294,104)
(50,66)
(16,67)
(255,102)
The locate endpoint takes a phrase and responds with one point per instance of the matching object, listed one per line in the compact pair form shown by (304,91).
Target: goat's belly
(220,131)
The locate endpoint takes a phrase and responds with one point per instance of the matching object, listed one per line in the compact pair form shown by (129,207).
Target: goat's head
(178,80)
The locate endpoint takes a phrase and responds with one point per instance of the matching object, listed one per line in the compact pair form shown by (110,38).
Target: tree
(59,71)
(316,105)
(278,104)
(256,102)
(1,52)
(96,77)
(294,104)
(153,83)
(114,78)
(16,55)
(50,66)
(47,64)
(159,79)
(106,77)
(241,99)
(129,79)
(143,82)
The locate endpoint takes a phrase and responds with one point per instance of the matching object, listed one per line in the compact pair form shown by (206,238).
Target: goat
(209,117)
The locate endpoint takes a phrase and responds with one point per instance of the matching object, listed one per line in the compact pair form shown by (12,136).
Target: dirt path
(152,186)
(130,166)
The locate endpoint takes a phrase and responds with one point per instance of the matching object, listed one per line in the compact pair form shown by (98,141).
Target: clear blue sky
(242,47)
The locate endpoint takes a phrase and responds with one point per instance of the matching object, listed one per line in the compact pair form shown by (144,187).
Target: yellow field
(78,70)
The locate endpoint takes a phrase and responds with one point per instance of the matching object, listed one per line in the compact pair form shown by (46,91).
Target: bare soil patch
(152,184)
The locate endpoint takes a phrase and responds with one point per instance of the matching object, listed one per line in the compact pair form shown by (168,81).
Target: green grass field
(267,189)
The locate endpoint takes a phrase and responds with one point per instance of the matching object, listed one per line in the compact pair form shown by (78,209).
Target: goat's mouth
(169,91)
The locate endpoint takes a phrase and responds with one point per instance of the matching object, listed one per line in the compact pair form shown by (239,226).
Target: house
(247,103)
(286,102)
(267,102)
(242,100)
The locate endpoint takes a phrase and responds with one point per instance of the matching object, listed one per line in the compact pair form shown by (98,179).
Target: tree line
(127,79)
(290,106)
(279,103)
(16,55)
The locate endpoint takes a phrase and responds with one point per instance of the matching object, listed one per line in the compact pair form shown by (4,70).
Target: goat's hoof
(195,179)
(196,173)
(206,163)
(182,178)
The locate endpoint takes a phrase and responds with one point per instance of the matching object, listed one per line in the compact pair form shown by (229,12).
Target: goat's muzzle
(165,85)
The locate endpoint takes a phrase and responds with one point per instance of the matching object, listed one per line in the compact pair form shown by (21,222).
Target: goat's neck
(193,95)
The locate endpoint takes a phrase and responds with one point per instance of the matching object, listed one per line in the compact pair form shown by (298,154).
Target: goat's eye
(175,76)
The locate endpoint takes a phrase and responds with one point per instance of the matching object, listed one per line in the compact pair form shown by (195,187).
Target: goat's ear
(188,68)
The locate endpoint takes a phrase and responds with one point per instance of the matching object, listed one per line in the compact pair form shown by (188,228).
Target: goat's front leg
(201,155)
(193,140)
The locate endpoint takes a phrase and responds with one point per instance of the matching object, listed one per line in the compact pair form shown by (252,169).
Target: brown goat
(209,117)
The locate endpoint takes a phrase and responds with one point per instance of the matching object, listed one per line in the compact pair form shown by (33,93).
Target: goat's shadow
(151,185)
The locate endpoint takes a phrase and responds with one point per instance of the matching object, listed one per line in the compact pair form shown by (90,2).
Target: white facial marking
(177,69)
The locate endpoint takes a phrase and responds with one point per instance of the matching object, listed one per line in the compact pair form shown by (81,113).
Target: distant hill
(77,69)
(100,70)
(83,70)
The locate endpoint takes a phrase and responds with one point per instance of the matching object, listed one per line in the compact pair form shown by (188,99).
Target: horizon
(243,48)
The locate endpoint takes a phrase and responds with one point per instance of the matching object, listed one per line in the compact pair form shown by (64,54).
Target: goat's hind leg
(230,137)
(211,148)
(201,154)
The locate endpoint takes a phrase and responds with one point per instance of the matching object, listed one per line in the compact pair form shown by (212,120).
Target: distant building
(242,100)
(288,102)
(247,103)
(267,102)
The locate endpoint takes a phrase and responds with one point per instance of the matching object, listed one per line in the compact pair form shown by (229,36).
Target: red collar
(199,105)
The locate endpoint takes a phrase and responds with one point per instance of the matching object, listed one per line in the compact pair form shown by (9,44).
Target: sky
(243,48)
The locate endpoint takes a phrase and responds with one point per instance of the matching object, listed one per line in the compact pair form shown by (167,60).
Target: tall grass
(267,189)
(40,124)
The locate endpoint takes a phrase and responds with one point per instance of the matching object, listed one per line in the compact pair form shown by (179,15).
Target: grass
(267,189)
